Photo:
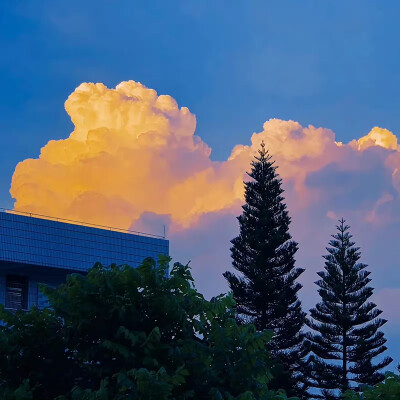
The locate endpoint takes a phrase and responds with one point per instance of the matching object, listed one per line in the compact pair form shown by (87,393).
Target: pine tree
(346,324)
(266,289)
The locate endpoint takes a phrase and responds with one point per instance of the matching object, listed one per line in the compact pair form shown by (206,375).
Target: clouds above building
(134,160)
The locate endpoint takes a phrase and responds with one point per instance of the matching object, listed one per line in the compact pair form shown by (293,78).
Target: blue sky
(234,64)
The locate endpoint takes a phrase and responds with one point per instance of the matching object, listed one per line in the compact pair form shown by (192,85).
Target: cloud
(378,137)
(389,300)
(133,151)
(134,160)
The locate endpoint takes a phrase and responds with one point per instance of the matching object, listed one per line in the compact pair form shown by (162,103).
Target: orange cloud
(133,151)
(378,137)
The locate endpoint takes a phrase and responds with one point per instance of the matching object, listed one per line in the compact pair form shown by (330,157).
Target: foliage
(346,334)
(32,351)
(389,389)
(266,289)
(125,333)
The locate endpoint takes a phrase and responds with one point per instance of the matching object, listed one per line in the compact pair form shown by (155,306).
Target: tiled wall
(35,241)
(46,251)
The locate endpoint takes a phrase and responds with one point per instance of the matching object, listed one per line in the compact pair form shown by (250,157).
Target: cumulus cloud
(134,161)
(133,151)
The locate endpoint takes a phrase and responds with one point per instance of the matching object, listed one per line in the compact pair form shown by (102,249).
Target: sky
(149,113)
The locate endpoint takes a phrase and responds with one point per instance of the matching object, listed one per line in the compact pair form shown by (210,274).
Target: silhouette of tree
(346,334)
(266,289)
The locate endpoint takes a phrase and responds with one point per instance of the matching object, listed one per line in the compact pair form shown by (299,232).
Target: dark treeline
(121,333)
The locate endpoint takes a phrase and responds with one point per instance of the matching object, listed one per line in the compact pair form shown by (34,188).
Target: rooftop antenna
(164,231)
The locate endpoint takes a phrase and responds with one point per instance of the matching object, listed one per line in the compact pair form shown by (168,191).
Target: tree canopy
(389,389)
(125,333)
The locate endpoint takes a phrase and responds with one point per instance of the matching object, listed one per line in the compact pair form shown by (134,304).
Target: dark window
(17,292)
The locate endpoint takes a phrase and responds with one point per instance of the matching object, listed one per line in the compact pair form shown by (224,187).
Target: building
(35,249)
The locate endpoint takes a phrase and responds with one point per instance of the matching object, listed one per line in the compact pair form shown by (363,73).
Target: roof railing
(82,223)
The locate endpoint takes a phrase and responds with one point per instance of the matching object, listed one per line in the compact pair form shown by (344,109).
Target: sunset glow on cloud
(134,161)
(133,151)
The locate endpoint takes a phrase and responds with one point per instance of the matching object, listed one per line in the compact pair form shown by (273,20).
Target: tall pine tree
(266,289)
(346,334)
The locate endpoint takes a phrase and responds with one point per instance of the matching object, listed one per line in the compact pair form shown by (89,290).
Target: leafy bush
(389,389)
(125,333)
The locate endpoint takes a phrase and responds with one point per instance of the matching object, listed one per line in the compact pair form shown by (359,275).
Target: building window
(17,292)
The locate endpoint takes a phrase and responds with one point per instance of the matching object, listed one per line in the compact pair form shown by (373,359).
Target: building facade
(36,250)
